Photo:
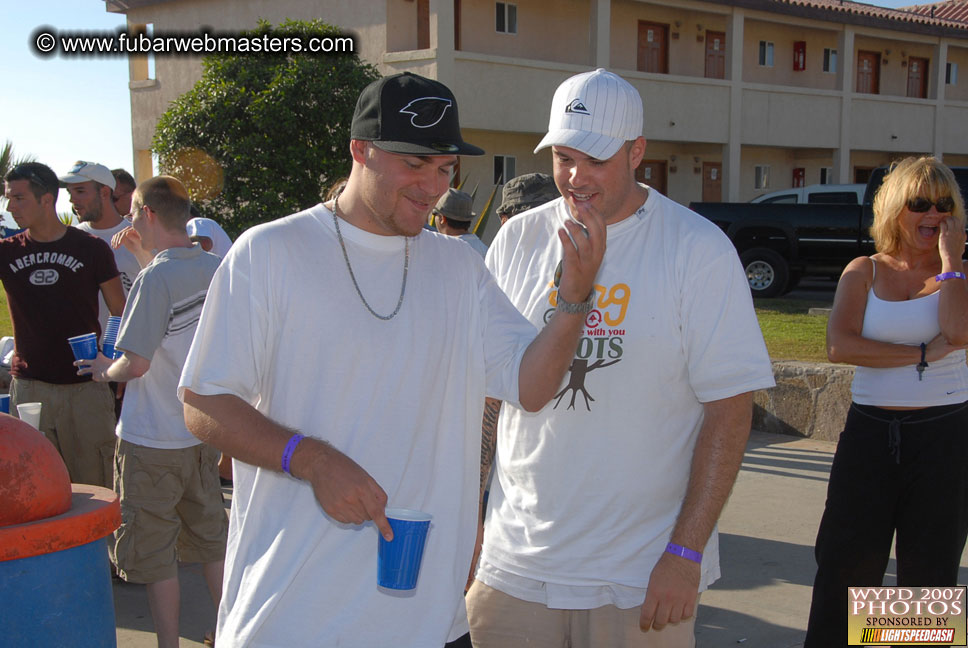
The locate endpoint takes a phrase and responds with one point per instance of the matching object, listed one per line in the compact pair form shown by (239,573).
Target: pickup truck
(817,193)
(780,243)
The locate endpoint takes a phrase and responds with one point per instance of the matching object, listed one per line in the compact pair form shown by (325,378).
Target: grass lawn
(6,328)
(790,333)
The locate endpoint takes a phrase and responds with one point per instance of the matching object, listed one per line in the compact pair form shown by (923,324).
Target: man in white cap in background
(91,186)
(600,528)
(209,235)
(453,217)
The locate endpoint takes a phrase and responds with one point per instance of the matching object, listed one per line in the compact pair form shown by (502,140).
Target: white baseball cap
(207,228)
(595,113)
(85,171)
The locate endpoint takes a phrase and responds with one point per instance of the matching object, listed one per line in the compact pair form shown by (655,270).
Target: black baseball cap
(409,114)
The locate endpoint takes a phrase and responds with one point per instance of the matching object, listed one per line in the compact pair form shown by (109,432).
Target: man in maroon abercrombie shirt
(52,274)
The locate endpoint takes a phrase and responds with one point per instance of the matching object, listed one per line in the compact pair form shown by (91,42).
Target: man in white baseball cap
(600,527)
(91,187)
(210,235)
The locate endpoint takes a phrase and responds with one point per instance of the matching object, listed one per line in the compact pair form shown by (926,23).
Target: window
(785,199)
(506,19)
(762,176)
(766,54)
(826,175)
(951,74)
(503,168)
(829,60)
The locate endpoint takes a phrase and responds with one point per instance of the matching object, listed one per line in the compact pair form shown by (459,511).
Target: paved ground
(766,536)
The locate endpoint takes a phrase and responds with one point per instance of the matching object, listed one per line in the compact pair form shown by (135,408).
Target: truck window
(833,198)
(785,198)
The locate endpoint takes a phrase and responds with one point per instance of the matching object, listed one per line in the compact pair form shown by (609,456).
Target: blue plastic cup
(398,561)
(110,336)
(5,403)
(84,346)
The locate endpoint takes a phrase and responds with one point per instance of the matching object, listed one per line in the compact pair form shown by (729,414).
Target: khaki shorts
(498,620)
(79,420)
(171,510)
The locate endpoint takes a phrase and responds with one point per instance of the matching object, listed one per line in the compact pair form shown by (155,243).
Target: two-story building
(741,96)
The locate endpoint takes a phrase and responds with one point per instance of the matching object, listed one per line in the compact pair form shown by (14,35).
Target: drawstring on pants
(894,426)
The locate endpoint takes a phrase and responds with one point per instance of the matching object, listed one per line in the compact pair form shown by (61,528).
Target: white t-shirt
(159,323)
(284,329)
(587,491)
(127,264)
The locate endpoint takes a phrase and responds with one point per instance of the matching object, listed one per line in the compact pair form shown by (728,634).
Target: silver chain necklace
(406,266)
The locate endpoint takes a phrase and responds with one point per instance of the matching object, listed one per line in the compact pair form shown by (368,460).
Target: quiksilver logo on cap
(577,106)
(426,112)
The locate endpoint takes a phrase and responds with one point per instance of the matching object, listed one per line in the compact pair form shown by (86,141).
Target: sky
(61,109)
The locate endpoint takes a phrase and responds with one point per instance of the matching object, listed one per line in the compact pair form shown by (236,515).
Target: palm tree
(7,160)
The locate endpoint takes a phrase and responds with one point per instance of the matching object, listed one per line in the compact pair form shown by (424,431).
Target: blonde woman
(901,464)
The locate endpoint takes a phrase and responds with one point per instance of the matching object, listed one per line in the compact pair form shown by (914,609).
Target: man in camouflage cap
(524,192)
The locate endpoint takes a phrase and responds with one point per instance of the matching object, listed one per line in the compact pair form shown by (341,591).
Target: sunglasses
(921,205)
(32,177)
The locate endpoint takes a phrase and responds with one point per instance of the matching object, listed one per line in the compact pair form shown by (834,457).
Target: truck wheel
(766,271)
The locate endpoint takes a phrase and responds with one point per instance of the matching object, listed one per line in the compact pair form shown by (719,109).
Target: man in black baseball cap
(331,349)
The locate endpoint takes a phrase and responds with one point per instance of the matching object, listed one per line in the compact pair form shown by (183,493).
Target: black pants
(903,471)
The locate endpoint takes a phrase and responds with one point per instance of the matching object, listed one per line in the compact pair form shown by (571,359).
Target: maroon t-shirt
(52,290)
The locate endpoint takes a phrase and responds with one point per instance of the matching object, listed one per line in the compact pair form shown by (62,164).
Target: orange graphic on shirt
(613,303)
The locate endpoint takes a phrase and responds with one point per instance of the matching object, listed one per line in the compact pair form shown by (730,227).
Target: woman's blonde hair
(912,177)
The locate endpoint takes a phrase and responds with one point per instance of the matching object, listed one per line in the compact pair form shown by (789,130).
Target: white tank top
(912,322)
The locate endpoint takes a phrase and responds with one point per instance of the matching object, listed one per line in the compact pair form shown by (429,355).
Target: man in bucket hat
(525,192)
(453,217)
(600,522)
(343,376)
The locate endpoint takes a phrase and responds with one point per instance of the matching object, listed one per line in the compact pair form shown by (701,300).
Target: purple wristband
(688,554)
(949,275)
(290,448)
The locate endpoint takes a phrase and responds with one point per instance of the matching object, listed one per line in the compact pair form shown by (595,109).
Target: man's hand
(672,593)
(131,241)
(583,250)
(346,492)
(96,368)
(128,238)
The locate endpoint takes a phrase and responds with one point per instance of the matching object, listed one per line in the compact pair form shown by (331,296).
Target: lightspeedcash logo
(906,615)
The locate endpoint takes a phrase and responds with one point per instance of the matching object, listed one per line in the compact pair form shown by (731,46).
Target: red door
(423,24)
(868,72)
(652,173)
(653,47)
(712,181)
(715,55)
(917,81)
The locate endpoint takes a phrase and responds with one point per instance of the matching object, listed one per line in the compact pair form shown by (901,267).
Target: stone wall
(809,400)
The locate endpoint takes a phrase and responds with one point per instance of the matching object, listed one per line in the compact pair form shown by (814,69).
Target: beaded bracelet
(949,275)
(290,448)
(688,554)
